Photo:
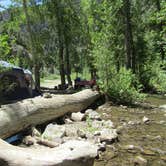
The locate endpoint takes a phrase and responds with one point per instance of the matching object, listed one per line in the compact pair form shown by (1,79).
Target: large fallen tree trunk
(72,153)
(30,112)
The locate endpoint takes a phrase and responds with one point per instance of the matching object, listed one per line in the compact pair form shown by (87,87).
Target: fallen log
(31,112)
(72,153)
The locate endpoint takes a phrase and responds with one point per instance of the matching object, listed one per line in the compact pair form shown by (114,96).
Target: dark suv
(15,82)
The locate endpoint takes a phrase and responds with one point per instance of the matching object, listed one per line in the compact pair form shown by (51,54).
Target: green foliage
(5,48)
(123,87)
(154,78)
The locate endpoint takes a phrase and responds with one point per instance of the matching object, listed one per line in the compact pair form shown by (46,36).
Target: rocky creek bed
(119,135)
(142,135)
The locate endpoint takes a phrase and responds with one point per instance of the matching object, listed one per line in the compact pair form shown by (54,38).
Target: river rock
(77,117)
(47,95)
(93,114)
(119,129)
(76,129)
(102,146)
(163,158)
(52,132)
(108,135)
(81,133)
(108,124)
(97,133)
(35,132)
(148,152)
(140,161)
(28,140)
(145,119)
(68,121)
(129,147)
(97,124)
(162,107)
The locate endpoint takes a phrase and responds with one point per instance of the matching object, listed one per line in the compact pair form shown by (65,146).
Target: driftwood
(30,112)
(73,153)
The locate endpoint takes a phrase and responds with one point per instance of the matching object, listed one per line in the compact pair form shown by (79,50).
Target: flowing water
(137,139)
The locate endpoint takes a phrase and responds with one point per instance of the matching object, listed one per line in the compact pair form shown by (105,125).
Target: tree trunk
(82,154)
(130,57)
(59,22)
(160,28)
(68,68)
(62,65)
(37,76)
(32,46)
(30,112)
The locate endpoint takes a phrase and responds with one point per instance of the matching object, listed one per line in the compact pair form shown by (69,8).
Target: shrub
(123,87)
(154,79)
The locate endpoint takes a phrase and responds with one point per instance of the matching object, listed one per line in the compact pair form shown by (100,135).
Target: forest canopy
(121,43)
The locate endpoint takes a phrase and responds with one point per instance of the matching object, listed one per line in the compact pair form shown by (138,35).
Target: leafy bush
(154,79)
(123,87)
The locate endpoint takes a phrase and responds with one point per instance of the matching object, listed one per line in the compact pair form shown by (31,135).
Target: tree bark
(160,28)
(32,46)
(30,112)
(37,76)
(62,65)
(130,57)
(68,68)
(59,25)
(83,154)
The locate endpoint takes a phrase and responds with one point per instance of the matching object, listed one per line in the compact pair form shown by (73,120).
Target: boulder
(108,135)
(93,114)
(77,117)
(52,132)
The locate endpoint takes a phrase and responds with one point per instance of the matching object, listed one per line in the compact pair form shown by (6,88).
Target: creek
(142,138)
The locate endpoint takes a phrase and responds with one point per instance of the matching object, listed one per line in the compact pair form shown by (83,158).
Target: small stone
(108,135)
(89,136)
(140,161)
(105,114)
(97,133)
(131,123)
(148,152)
(134,122)
(129,147)
(108,124)
(35,132)
(157,138)
(162,106)
(102,146)
(123,106)
(68,121)
(97,124)
(162,122)
(145,119)
(93,114)
(81,134)
(88,111)
(28,140)
(47,95)
(163,158)
(119,129)
(77,117)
